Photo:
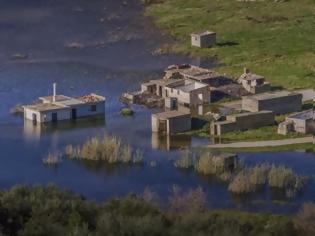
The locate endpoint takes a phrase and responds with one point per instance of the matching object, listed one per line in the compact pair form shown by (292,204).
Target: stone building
(302,122)
(279,102)
(253,83)
(195,73)
(205,39)
(186,92)
(59,107)
(242,121)
(190,93)
(171,122)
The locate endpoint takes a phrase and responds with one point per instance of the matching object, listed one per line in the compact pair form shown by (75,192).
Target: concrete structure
(171,122)
(279,102)
(253,83)
(242,121)
(302,122)
(204,39)
(59,107)
(196,73)
(171,103)
(186,92)
(190,93)
(157,87)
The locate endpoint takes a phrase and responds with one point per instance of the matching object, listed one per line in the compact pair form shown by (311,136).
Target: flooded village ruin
(191,98)
(167,111)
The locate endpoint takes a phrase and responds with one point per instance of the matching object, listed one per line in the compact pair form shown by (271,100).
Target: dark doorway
(163,126)
(54,117)
(34,118)
(74,114)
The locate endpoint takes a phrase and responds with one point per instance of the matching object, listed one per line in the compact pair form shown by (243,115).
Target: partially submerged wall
(244,121)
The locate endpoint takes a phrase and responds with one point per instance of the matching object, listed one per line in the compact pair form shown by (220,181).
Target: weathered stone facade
(302,122)
(171,122)
(243,121)
(279,102)
(203,40)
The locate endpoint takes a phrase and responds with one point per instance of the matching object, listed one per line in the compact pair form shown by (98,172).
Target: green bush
(48,211)
(127,112)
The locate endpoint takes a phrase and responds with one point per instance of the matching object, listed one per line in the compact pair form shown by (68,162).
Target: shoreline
(252,47)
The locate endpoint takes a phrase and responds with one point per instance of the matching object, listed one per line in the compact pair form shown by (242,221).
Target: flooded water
(101,46)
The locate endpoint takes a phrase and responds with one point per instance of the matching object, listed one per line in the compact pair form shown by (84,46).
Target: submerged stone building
(171,122)
(59,107)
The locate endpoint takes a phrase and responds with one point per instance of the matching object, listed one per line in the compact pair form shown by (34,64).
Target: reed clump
(108,149)
(285,178)
(241,183)
(242,179)
(186,161)
(281,177)
(53,159)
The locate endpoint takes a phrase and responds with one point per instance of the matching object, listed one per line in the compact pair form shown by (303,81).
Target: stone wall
(279,105)
(179,124)
(244,121)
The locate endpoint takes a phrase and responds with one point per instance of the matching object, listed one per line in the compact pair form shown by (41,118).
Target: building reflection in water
(169,142)
(36,131)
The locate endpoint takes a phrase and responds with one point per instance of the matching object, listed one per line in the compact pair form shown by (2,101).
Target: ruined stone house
(187,92)
(302,122)
(171,122)
(195,73)
(253,83)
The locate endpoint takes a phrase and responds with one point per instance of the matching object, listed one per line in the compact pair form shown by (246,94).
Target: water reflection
(169,142)
(34,132)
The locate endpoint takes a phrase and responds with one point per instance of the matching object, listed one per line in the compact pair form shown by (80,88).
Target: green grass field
(307,147)
(274,39)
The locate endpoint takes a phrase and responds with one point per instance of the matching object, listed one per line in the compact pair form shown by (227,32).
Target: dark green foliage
(48,211)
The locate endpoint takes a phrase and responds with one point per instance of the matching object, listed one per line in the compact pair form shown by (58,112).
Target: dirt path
(269,143)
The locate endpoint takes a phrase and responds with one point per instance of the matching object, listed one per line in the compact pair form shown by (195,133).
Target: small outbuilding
(171,122)
(302,122)
(253,83)
(205,39)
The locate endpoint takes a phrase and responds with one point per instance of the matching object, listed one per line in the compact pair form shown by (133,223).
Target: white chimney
(55,91)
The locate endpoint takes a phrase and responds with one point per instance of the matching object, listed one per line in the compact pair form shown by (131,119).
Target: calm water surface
(114,56)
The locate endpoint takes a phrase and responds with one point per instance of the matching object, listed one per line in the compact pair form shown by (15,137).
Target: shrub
(258,174)
(193,201)
(211,165)
(186,161)
(305,219)
(285,178)
(127,112)
(241,183)
(126,154)
(53,159)
(138,156)
(107,149)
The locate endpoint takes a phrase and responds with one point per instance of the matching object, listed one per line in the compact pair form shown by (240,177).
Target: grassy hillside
(272,38)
